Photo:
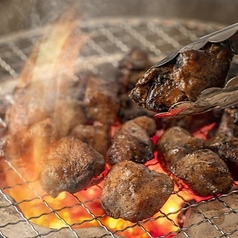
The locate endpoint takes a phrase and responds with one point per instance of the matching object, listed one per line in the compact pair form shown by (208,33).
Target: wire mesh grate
(110,40)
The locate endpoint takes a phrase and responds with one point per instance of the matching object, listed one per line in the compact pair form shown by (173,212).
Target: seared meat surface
(204,172)
(101,100)
(184,77)
(32,142)
(174,144)
(131,67)
(225,146)
(225,142)
(71,165)
(192,165)
(96,136)
(132,142)
(227,149)
(147,124)
(134,192)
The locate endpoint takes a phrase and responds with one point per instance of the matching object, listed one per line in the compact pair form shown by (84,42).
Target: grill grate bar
(93,216)
(40,197)
(212,223)
(123,47)
(142,39)
(161,33)
(8,68)
(19,212)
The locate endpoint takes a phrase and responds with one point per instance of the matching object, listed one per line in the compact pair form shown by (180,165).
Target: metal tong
(211,98)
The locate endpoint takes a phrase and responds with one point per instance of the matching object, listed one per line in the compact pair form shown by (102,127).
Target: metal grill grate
(110,40)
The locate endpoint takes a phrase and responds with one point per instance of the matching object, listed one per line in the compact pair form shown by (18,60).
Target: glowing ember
(77,209)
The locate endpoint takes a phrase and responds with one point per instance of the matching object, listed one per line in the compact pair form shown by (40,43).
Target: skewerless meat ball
(174,144)
(204,172)
(132,142)
(71,165)
(134,192)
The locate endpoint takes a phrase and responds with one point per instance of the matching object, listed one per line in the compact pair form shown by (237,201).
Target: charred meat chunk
(134,192)
(204,172)
(184,77)
(225,146)
(129,110)
(132,67)
(31,143)
(227,149)
(71,165)
(225,141)
(101,100)
(132,142)
(68,113)
(96,136)
(37,100)
(174,144)
(147,124)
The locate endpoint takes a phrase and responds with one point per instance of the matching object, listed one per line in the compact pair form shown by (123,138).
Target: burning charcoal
(32,142)
(203,220)
(101,100)
(96,136)
(174,144)
(71,165)
(132,142)
(204,172)
(134,192)
(132,67)
(184,77)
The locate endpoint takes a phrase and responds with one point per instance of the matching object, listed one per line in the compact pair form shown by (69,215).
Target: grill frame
(110,40)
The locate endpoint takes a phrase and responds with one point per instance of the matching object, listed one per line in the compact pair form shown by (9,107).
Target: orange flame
(83,209)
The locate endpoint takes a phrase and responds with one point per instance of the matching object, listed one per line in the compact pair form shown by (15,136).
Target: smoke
(28,14)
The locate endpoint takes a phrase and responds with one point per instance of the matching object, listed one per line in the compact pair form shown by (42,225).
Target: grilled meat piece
(68,113)
(101,100)
(147,124)
(132,67)
(174,144)
(129,110)
(134,192)
(71,165)
(96,136)
(132,142)
(31,143)
(204,172)
(228,123)
(225,146)
(183,78)
(225,141)
(227,149)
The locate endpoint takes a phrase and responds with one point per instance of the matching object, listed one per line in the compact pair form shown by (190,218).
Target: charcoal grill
(110,40)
